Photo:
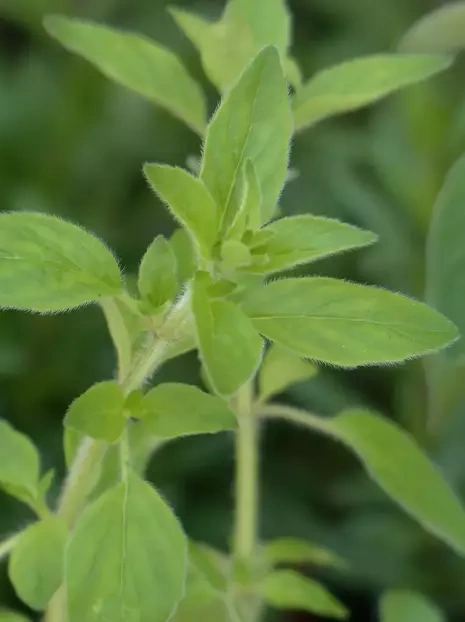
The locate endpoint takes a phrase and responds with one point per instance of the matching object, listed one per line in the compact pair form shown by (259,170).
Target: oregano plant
(112,548)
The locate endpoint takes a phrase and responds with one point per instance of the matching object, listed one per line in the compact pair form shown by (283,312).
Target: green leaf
(185,256)
(346,324)
(36,563)
(281,369)
(229,346)
(286,589)
(136,63)
(234,254)
(189,201)
(301,239)
(12,616)
(357,83)
(254,121)
(445,255)
(158,283)
(228,45)
(249,213)
(98,412)
(174,410)
(394,460)
(442,30)
(406,606)
(47,264)
(19,462)
(295,551)
(126,560)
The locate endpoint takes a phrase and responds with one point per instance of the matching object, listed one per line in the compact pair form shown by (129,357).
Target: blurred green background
(72,144)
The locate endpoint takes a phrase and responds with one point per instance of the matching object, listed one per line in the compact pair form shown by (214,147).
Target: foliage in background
(381,172)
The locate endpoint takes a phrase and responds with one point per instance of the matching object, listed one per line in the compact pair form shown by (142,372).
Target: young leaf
(189,201)
(228,45)
(19,462)
(406,606)
(158,283)
(254,121)
(357,83)
(301,239)
(234,254)
(137,63)
(281,368)
(445,254)
(442,30)
(12,616)
(295,551)
(229,346)
(126,559)
(98,412)
(185,256)
(173,410)
(346,324)
(37,561)
(286,589)
(47,264)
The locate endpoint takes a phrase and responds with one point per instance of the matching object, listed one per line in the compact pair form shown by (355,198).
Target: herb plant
(113,549)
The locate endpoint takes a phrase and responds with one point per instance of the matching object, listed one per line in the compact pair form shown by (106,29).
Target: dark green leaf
(405,606)
(47,264)
(36,564)
(137,63)
(12,616)
(126,560)
(98,412)
(445,289)
(346,324)
(442,30)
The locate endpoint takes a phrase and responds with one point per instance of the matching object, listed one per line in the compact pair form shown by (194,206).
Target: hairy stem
(246,478)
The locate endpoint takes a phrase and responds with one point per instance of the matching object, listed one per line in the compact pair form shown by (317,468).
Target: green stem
(119,334)
(295,415)
(8,545)
(246,525)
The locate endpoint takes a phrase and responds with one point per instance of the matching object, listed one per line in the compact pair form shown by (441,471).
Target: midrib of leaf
(246,142)
(123,546)
(300,316)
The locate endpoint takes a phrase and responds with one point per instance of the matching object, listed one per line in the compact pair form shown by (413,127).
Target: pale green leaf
(234,255)
(173,410)
(228,45)
(394,460)
(442,30)
(359,82)
(301,239)
(254,121)
(98,412)
(185,256)
(136,63)
(295,551)
(47,264)
(229,346)
(37,562)
(287,589)
(19,462)
(127,558)
(189,201)
(346,324)
(406,606)
(445,282)
(158,283)
(248,215)
(281,369)
(12,616)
